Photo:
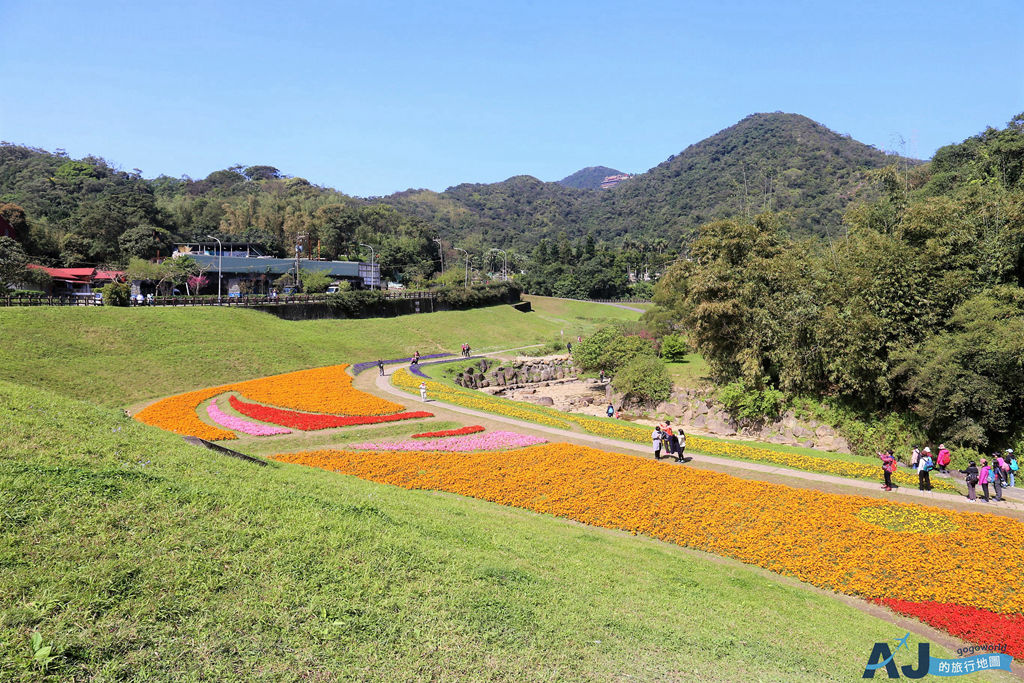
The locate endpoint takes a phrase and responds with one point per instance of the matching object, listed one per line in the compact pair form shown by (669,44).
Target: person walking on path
(915,457)
(942,460)
(971,474)
(1012,461)
(568,347)
(656,441)
(888,467)
(666,436)
(423,391)
(924,466)
(610,411)
(416,358)
(984,476)
(380,367)
(682,445)
(1004,469)
(996,477)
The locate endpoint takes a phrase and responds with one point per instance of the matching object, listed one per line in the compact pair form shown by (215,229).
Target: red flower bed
(312,421)
(979,626)
(472,429)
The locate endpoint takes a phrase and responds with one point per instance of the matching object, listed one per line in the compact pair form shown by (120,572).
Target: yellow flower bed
(630,432)
(319,390)
(404,379)
(821,538)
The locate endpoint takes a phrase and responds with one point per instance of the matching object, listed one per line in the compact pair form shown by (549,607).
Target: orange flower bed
(817,537)
(319,390)
(178,414)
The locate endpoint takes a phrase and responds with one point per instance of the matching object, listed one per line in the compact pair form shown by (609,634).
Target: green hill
(589,178)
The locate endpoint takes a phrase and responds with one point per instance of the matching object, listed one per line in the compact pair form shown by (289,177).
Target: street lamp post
(220,263)
(466,285)
(371,262)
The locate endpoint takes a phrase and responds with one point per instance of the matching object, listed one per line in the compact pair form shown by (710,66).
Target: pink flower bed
(240,424)
(475,442)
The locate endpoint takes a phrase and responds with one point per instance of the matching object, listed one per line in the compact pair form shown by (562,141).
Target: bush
(315,281)
(610,348)
(674,347)
(644,379)
(116,294)
(753,405)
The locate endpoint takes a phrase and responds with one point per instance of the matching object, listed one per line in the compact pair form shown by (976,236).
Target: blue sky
(376,97)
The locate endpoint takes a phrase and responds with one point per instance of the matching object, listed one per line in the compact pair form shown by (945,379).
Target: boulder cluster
(485,373)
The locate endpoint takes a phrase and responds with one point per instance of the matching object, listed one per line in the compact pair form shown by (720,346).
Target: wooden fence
(247,300)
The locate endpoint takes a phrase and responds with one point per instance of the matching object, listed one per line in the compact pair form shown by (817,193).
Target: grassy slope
(120,356)
(137,556)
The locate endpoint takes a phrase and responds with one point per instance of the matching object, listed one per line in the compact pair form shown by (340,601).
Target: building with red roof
(78,280)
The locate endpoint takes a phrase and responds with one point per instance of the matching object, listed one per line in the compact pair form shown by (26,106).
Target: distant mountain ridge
(783,162)
(589,178)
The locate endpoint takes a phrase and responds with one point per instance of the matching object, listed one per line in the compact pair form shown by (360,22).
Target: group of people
(465,351)
(999,474)
(664,438)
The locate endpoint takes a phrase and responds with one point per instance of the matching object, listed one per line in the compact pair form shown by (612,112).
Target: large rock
(545,401)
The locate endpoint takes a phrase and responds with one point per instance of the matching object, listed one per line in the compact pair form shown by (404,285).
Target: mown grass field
(122,356)
(138,557)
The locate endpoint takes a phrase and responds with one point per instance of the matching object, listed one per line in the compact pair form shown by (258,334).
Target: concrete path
(740,468)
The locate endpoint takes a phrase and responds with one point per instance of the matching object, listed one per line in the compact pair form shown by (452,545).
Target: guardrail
(247,300)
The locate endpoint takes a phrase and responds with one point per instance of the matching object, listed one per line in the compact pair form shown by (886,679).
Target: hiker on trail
(888,467)
(1011,459)
(984,477)
(666,436)
(682,445)
(915,457)
(465,350)
(380,367)
(602,376)
(924,467)
(656,441)
(469,351)
(610,411)
(416,358)
(942,460)
(423,391)
(996,477)
(972,480)
(568,347)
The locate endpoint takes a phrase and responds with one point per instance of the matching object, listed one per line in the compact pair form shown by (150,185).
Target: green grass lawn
(690,372)
(122,356)
(138,557)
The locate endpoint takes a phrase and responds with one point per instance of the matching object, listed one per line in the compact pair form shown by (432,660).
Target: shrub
(610,348)
(645,379)
(755,405)
(116,294)
(674,347)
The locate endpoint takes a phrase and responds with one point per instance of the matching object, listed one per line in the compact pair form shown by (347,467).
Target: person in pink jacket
(984,476)
(942,459)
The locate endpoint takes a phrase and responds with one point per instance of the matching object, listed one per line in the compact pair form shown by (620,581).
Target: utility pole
(371,262)
(466,285)
(504,260)
(440,252)
(298,240)
(220,263)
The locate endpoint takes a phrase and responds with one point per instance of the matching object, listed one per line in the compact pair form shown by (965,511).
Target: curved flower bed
(241,424)
(637,434)
(366,365)
(308,422)
(319,390)
(472,429)
(970,623)
(483,442)
(814,536)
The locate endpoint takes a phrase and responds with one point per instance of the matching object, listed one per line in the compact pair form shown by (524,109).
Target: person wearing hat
(1011,459)
(943,458)
(996,477)
(924,467)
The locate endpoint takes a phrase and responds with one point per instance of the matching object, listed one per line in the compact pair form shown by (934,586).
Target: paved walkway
(739,468)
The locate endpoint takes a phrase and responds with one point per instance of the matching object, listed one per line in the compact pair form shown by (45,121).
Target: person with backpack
(997,478)
(1012,460)
(971,475)
(984,477)
(942,460)
(656,441)
(380,367)
(1004,468)
(915,457)
(666,436)
(924,467)
(888,467)
(610,411)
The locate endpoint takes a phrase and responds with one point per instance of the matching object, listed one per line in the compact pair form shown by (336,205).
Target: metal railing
(243,301)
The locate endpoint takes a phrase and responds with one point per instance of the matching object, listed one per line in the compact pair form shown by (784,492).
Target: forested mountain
(589,178)
(783,163)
